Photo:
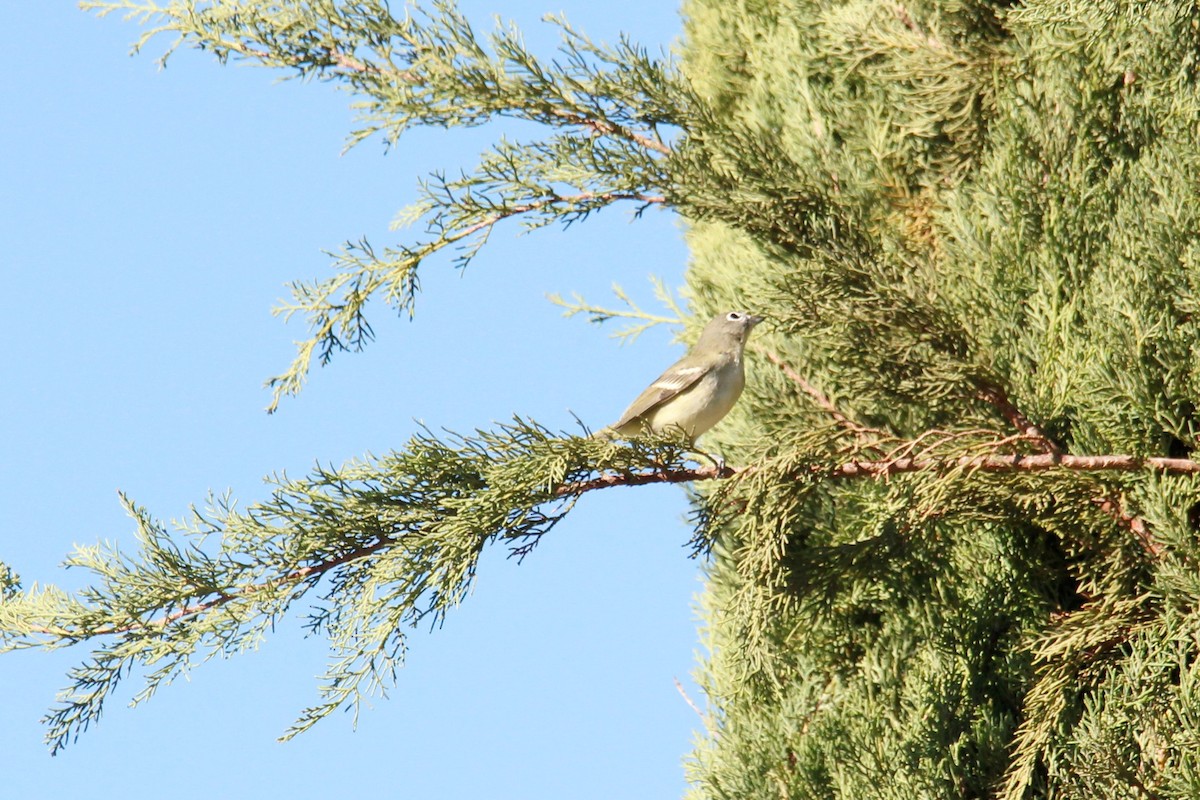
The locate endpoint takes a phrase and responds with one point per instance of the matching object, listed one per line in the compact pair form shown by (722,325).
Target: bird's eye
(733,316)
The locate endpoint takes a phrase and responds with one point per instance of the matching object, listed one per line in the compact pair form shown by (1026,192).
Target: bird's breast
(704,403)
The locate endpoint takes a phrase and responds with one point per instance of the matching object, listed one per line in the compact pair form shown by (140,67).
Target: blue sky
(149,221)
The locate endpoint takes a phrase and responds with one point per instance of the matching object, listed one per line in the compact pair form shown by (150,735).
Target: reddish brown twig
(880,468)
(998,398)
(865,434)
(536,205)
(353,64)
(900,458)
(691,703)
(643,478)
(1135,525)
(605,128)
(1019,463)
(848,470)
(995,396)
(223,598)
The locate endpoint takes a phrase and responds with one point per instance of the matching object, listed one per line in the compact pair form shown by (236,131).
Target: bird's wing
(670,383)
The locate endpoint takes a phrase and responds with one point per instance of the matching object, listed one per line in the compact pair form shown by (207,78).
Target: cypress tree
(975,224)
(952,546)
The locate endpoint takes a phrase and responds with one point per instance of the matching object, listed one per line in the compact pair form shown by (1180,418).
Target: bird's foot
(718,461)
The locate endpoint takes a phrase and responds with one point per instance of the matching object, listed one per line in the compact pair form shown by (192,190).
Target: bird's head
(730,327)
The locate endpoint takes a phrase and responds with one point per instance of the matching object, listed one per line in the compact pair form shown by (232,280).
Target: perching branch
(395,542)
(391,543)
(314,571)
(884,468)
(881,468)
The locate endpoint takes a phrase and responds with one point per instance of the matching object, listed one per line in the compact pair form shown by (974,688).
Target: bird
(698,390)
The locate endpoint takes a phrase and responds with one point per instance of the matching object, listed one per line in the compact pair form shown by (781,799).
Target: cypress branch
(603,111)
(396,541)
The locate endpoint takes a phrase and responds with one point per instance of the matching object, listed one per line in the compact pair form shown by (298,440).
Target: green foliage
(637,320)
(386,543)
(10,582)
(604,110)
(937,200)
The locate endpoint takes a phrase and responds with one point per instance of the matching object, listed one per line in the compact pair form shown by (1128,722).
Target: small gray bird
(699,389)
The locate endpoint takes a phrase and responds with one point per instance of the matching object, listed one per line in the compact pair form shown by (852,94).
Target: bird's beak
(755,320)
